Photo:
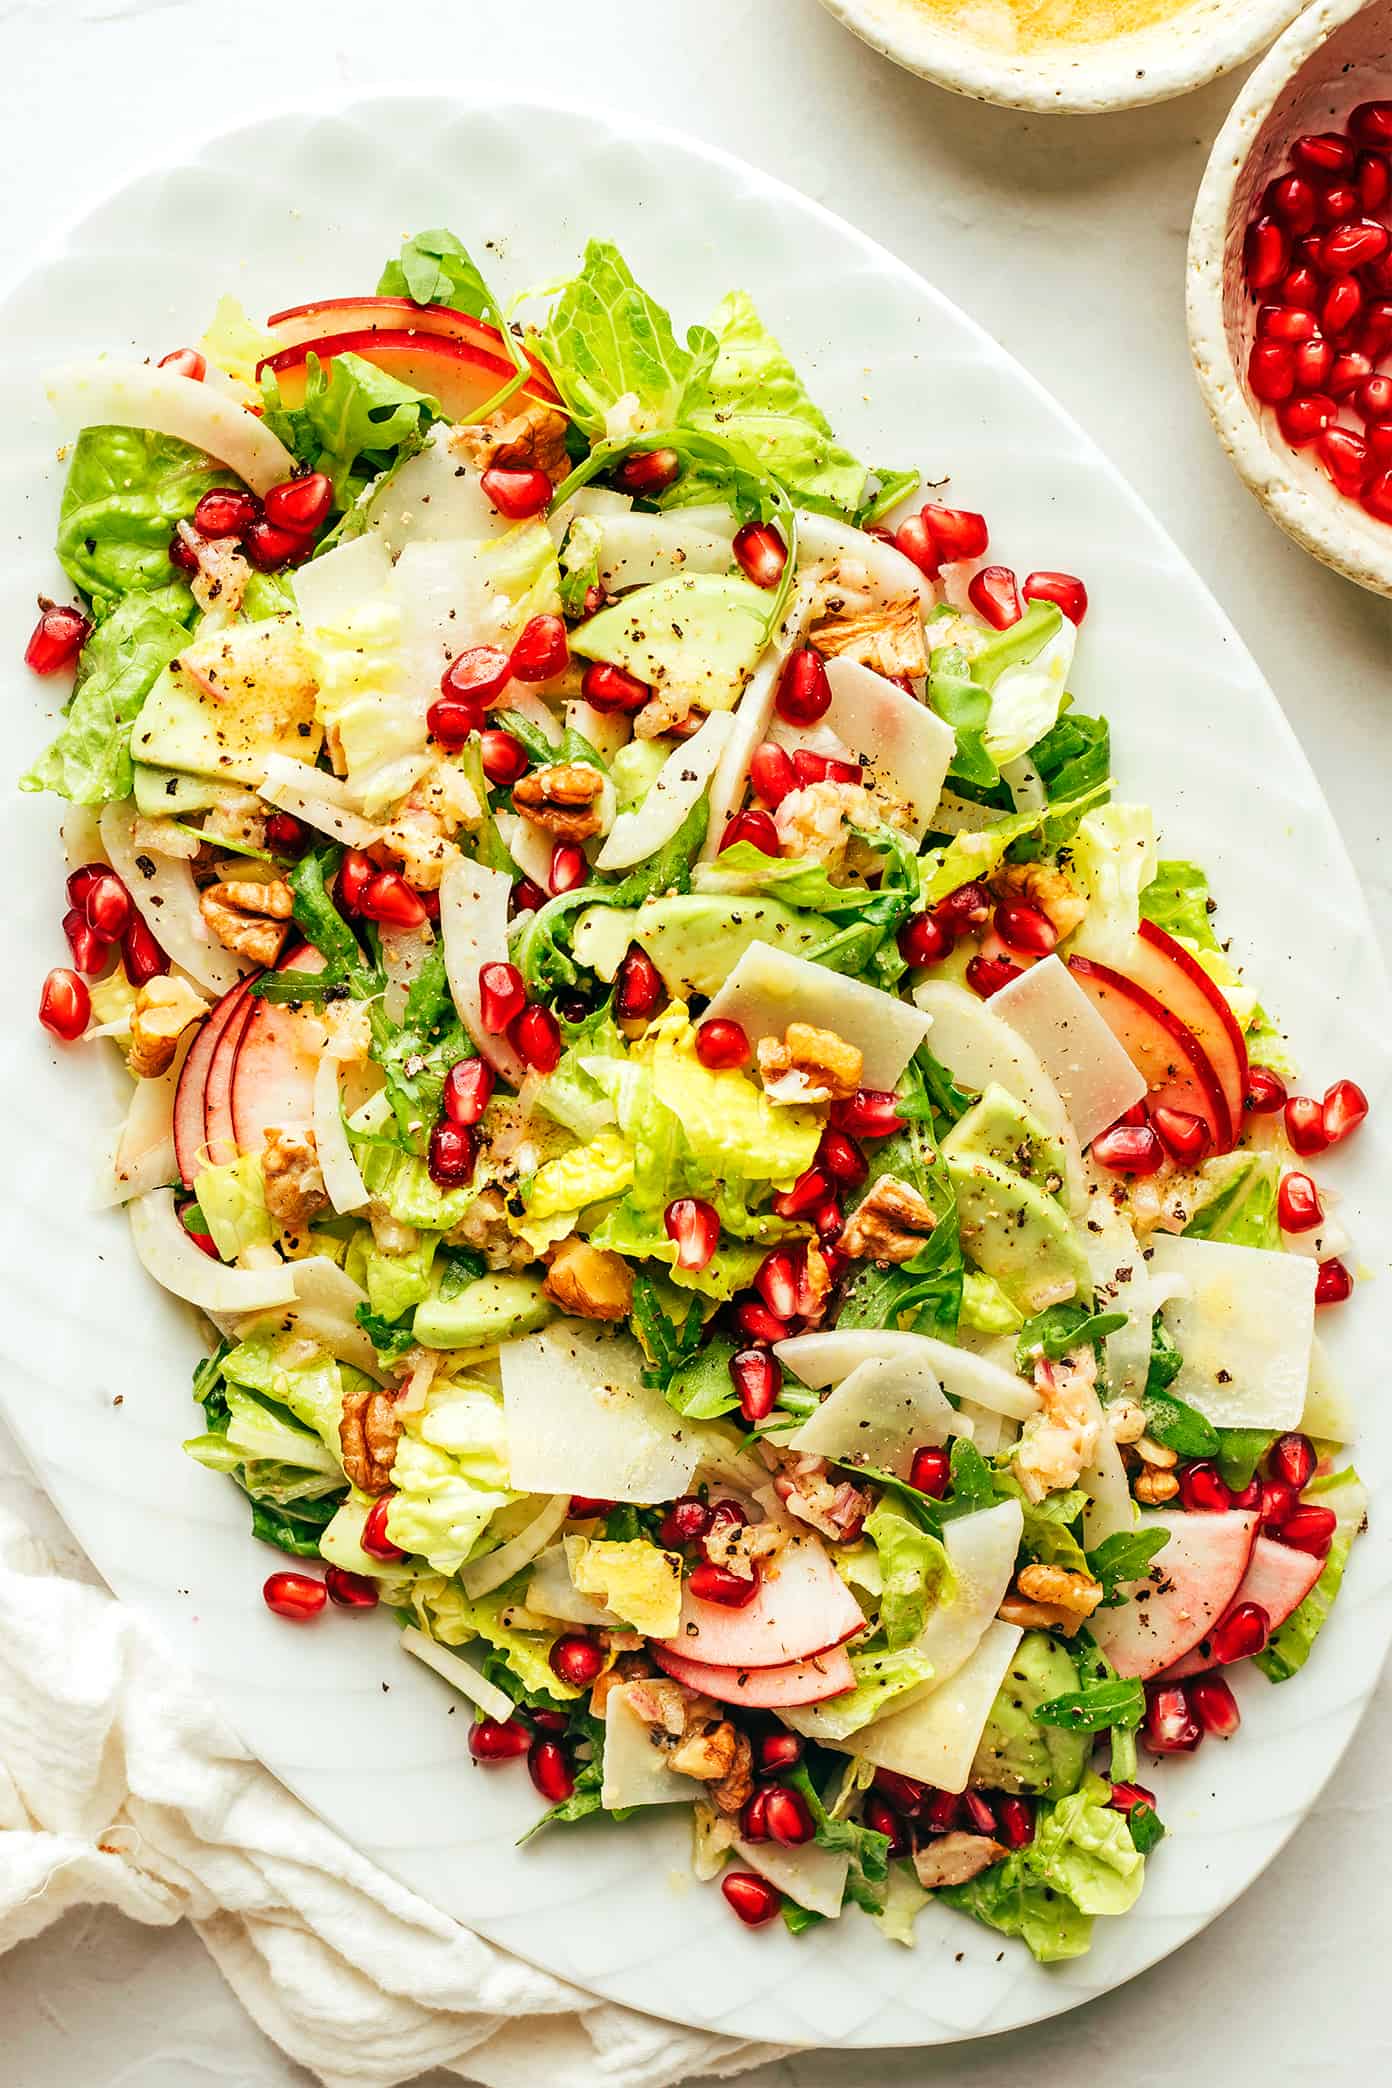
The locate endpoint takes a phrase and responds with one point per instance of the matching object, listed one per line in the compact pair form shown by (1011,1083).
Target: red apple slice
(276,1060)
(460,375)
(338,315)
(803,1607)
(1165,969)
(1278,1578)
(1191,1582)
(765,1689)
(1175,1064)
(219,1132)
(190,1133)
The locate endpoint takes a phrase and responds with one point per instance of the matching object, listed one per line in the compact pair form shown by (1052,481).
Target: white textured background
(1066,238)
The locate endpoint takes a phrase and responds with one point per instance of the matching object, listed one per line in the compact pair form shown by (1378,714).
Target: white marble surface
(1066,238)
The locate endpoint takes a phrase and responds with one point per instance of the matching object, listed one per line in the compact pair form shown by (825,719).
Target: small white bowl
(1337,55)
(1188,50)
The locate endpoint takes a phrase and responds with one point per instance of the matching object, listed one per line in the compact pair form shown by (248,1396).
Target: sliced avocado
(1018,1233)
(229,700)
(162,793)
(696,941)
(698,634)
(494,1308)
(999,1128)
(1015,1754)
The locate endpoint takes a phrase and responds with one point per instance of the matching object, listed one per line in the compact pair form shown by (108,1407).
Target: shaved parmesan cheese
(1110,1509)
(680,781)
(635,1767)
(936,1738)
(814,1877)
(460,1673)
(489,1572)
(581,1420)
(166,899)
(473,923)
(891,575)
(109,393)
(981,1550)
(977,1048)
(769,988)
(1244,1330)
(317,798)
(903,747)
(342,1176)
(552,1593)
(404,953)
(824,1359)
(752,715)
(329,589)
(435,495)
(1096,1079)
(879,1415)
(167,1252)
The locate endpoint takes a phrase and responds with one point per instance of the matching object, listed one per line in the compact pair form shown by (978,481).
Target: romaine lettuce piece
(89,761)
(1113,862)
(1289,1648)
(914,1570)
(635,1579)
(233,1200)
(613,353)
(450,1474)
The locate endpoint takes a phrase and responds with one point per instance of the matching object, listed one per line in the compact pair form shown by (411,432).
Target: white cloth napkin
(118,1784)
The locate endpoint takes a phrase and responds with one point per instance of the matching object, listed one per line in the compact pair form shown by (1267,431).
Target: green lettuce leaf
(126,491)
(1289,1648)
(607,340)
(354,422)
(434,268)
(915,1572)
(1177,900)
(130,648)
(450,1474)
(1239,1207)
(1012,1897)
(416,1054)
(1074,757)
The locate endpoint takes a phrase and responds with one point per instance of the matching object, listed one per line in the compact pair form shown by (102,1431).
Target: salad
(730,1183)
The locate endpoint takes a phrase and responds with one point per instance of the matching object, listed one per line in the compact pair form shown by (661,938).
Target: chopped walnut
(673,711)
(163,1010)
(1158,1454)
(888,1225)
(1065,1597)
(532,439)
(817,821)
(952,1859)
(1154,1487)
(485,1228)
(593,1282)
(563,798)
(368,1431)
(629,1667)
(721,1757)
(1125,1421)
(294,1185)
(739,1547)
(249,917)
(887,636)
(1043,885)
(1058,1441)
(810,1065)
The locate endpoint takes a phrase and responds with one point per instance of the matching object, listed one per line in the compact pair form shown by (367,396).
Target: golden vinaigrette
(1031,25)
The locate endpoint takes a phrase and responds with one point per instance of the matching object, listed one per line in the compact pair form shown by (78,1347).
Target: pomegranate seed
(569,870)
(969,906)
(1214,1703)
(1292,200)
(1325,152)
(904,1793)
(1266,253)
(870,1113)
(468,1090)
(80,882)
(1127,1796)
(451,1154)
(695,1227)
(1374,401)
(754,1818)
(388,899)
(1266,1091)
(269,548)
(476,676)
(1287,323)
(1305,1125)
(1376,330)
(1301,287)
(1277,1501)
(56,639)
(355,874)
(517,494)
(1345,1107)
(1371,123)
(1348,373)
(453,720)
(804,693)
(637,988)
(776,1752)
(502,996)
(141,954)
(576,1659)
(757,1376)
(493,1740)
(771,773)
(979,1813)
(987,975)
(541,651)
(787,1817)
(1015,1821)
(717,1584)
(89,950)
(1302,421)
(536,1037)
(648,472)
(994,594)
(1068,593)
(924,939)
(722,1045)
(181,554)
(756,1323)
(286,834)
(822,768)
(1354,245)
(350,1590)
(1250,1496)
(65,1005)
(226,512)
(108,906)
(942,1811)
(753,1899)
(1132,1149)
(881,1817)
(914,540)
(775,1280)
(1309,1528)
(547,1765)
(1136,1114)
(1170,1724)
(550,1721)
(297,1596)
(299,505)
(755,827)
(1344,456)
(930,1470)
(760,554)
(1343,302)
(829,1222)
(611,689)
(1271,371)
(185,362)
(1333,1284)
(374,1539)
(1298,1204)
(505,759)
(1293,1459)
(1311,364)
(1184,1136)
(1377,496)
(686,1522)
(841,1158)
(1202,1487)
(957,532)
(1024,927)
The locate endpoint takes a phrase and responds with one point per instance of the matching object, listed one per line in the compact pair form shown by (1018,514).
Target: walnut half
(249,917)
(163,1010)
(562,798)
(293,1183)
(591,1282)
(1051,1598)
(368,1432)
(889,1225)
(810,1065)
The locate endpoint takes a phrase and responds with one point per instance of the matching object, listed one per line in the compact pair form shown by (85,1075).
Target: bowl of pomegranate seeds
(1290,286)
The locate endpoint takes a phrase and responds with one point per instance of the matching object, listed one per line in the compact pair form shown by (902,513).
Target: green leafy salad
(729,1182)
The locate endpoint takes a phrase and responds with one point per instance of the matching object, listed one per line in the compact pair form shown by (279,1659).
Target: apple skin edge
(306,325)
(460,374)
(1178,1069)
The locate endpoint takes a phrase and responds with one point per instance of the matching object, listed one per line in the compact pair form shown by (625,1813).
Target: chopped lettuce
(396,1282)
(90,760)
(444,1612)
(354,421)
(306,1380)
(450,1474)
(1177,900)
(915,1573)
(1289,1647)
(292,1479)
(1113,862)
(613,353)
(126,492)
(635,1579)
(233,1202)
(1082,1862)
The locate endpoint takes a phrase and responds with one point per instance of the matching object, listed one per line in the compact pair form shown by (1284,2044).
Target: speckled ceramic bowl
(1189,49)
(1338,54)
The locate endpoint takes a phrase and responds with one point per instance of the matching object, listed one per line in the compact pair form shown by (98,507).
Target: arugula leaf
(1058,1329)
(390,1338)
(293,1527)
(459,1267)
(321,923)
(964,705)
(1103,1704)
(541,946)
(1172,1421)
(1147,1830)
(891,489)
(670,869)
(927,1093)
(1074,756)
(126,491)
(90,759)
(669,1346)
(353,422)
(868,1850)
(701,1387)
(416,1054)
(585,1731)
(925,1291)
(1177,900)
(1240,1451)
(434,268)
(1124,1556)
(971,1484)
(607,340)
(796,1919)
